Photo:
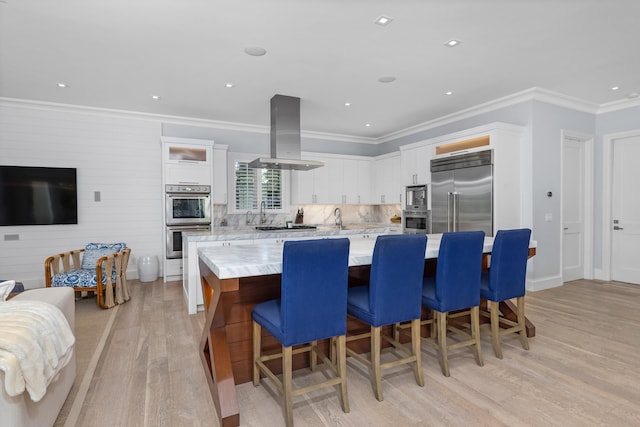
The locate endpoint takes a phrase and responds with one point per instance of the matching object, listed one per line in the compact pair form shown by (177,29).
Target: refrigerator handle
(455,195)
(449,209)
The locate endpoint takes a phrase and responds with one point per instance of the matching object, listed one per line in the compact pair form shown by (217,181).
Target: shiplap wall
(118,156)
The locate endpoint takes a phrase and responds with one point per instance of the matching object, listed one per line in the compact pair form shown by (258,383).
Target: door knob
(615,227)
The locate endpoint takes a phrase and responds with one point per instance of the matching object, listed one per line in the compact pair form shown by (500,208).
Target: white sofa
(21,410)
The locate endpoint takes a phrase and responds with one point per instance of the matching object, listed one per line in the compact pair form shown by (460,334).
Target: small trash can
(148,268)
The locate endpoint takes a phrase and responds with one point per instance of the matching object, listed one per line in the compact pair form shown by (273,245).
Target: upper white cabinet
(387,185)
(415,161)
(219,187)
(187,161)
(342,180)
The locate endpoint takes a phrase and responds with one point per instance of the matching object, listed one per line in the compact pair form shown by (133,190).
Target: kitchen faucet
(338,214)
(263,215)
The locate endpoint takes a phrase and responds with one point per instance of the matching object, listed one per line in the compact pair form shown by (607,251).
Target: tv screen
(38,195)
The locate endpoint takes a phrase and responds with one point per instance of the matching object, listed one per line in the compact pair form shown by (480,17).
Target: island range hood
(285,138)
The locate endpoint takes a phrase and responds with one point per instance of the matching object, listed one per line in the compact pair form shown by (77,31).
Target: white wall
(119,157)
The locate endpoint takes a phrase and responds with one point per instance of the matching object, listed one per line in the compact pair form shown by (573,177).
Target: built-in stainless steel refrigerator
(462,193)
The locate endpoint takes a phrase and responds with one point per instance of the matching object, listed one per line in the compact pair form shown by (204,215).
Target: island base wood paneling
(226,342)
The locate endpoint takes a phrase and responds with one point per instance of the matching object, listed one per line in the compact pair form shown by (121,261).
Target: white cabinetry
(187,161)
(308,187)
(219,187)
(415,159)
(387,185)
(342,180)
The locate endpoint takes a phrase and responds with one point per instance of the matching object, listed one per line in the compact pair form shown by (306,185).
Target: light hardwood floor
(583,369)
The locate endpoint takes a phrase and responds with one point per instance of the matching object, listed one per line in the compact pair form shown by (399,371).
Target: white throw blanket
(36,342)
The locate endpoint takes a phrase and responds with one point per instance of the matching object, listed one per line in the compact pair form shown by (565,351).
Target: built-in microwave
(416,222)
(417,197)
(188,205)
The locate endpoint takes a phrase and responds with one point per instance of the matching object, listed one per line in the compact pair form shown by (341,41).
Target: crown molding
(621,104)
(535,93)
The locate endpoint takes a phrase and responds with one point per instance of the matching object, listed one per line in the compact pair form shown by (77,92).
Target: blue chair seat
(358,304)
(80,278)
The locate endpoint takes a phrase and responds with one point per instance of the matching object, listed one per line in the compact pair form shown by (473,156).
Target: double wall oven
(187,208)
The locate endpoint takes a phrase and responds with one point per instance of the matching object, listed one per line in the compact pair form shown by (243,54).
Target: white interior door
(573,196)
(625,210)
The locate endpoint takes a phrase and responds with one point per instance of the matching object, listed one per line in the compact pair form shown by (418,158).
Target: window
(254,186)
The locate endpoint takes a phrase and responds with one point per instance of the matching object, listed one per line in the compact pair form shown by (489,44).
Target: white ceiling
(116,54)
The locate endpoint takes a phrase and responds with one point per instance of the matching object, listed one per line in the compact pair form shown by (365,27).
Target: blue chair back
(314,289)
(395,285)
(458,270)
(508,270)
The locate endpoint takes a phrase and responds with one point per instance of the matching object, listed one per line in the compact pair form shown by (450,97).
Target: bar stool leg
(415,348)
(287,384)
(313,355)
(475,333)
(522,323)
(376,373)
(257,332)
(495,328)
(341,349)
(441,321)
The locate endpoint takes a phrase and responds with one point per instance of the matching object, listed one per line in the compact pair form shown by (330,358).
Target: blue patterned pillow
(94,251)
(117,246)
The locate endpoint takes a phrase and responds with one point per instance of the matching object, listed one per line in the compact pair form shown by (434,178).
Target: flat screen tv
(38,195)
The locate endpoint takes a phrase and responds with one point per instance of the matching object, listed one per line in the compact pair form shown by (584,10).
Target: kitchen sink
(294,228)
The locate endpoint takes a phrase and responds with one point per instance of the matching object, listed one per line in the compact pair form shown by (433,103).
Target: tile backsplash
(313,214)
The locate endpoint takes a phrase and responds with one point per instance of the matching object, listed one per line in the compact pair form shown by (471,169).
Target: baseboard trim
(534,285)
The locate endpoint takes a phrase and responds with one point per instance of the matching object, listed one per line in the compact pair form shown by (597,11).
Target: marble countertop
(248,233)
(266,258)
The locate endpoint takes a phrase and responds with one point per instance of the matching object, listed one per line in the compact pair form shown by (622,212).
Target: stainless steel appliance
(188,204)
(417,197)
(416,221)
(462,193)
(174,238)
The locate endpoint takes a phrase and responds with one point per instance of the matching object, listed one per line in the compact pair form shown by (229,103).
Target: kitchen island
(236,278)
(233,237)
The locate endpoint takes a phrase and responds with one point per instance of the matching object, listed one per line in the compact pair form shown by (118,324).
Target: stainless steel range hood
(285,138)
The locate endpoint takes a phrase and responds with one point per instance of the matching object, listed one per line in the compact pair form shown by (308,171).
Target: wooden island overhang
(236,278)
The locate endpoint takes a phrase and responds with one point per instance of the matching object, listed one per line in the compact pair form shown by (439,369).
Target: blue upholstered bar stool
(506,279)
(392,296)
(455,287)
(312,306)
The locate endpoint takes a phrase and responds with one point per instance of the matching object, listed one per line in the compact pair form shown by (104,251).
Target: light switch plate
(548,217)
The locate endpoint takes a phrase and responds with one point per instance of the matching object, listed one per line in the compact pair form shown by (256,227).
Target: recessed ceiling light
(368,125)
(615,87)
(229,85)
(347,104)
(452,43)
(255,51)
(448,93)
(62,85)
(383,20)
(155,97)
(387,79)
